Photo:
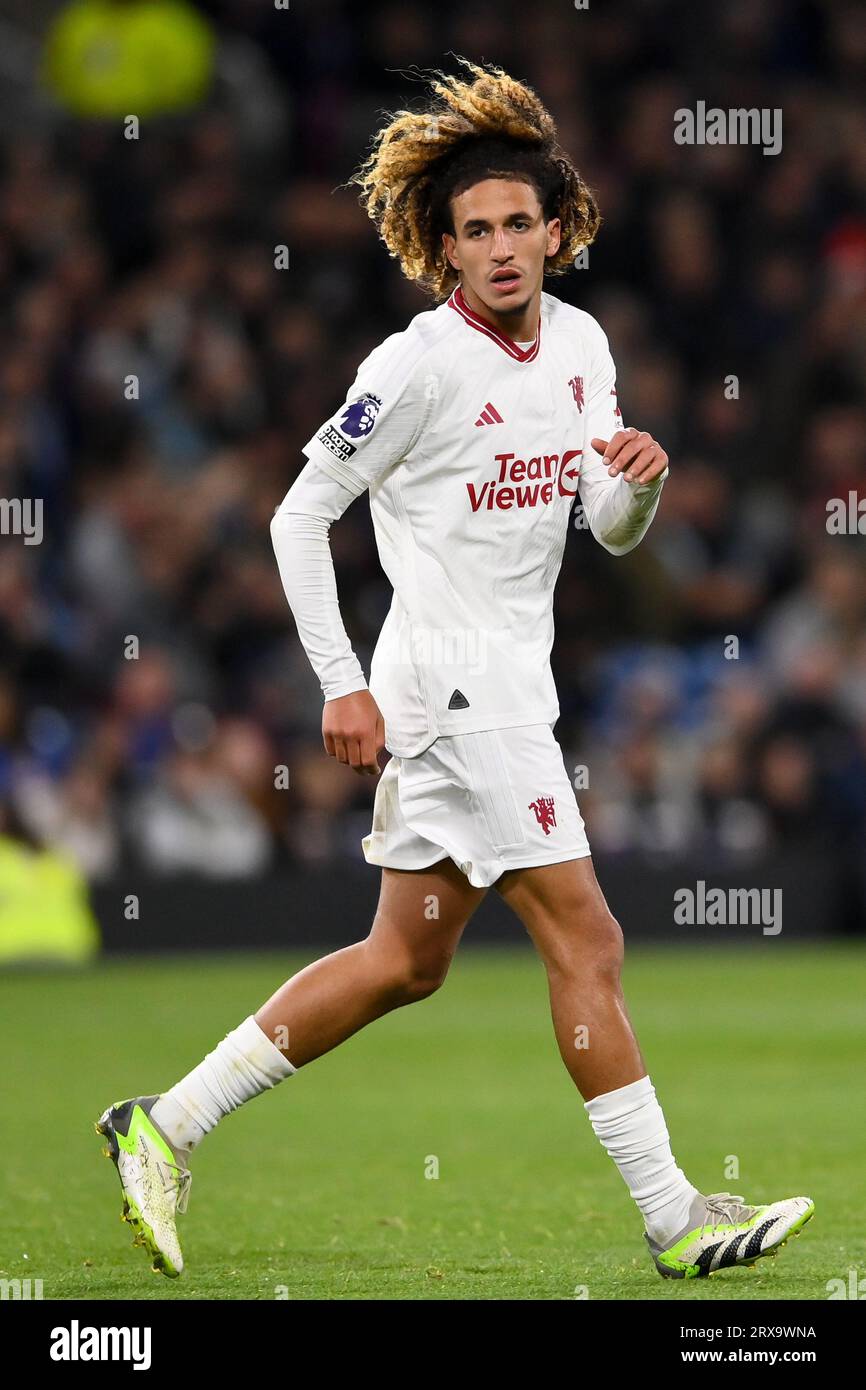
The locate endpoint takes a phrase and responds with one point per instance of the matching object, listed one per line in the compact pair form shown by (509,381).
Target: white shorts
(491,801)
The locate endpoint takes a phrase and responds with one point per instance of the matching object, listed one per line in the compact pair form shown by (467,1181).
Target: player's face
(500,227)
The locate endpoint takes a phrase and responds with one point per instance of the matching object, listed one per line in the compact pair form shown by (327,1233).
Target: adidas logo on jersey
(489,416)
(458,700)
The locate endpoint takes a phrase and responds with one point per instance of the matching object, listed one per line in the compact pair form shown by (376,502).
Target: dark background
(155,256)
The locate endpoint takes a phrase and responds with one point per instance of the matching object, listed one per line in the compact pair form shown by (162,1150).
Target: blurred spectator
(73,815)
(713,682)
(192,819)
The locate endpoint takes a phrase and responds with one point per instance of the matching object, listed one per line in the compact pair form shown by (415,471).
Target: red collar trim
(458,302)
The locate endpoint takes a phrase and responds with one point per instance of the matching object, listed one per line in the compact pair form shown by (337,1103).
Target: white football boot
(153,1176)
(722,1231)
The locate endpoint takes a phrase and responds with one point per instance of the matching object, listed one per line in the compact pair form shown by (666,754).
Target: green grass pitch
(318,1189)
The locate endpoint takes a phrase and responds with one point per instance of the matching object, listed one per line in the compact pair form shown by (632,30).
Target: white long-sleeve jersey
(474,450)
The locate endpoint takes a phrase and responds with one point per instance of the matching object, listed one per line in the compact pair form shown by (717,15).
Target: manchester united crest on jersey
(576,385)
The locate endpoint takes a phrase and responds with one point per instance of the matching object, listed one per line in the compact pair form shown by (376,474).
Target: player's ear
(450,245)
(554,229)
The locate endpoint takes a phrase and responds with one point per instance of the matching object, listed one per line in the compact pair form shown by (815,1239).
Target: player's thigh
(565,912)
(421,915)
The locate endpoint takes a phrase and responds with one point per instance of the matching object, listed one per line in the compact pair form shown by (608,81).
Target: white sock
(243,1065)
(630,1124)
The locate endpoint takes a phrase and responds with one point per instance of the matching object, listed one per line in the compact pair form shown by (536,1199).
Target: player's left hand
(634,454)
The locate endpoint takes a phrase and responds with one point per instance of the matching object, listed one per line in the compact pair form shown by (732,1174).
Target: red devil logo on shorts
(544,812)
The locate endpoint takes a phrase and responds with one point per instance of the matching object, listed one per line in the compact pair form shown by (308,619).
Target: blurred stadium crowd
(155,257)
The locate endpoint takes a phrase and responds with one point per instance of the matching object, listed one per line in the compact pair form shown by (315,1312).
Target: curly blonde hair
(491,127)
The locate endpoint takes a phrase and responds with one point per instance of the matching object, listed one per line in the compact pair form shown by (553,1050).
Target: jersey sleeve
(603,414)
(619,513)
(380,420)
(299,532)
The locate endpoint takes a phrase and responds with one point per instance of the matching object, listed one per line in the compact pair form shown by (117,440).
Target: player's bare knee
(423,980)
(425,970)
(407,975)
(602,946)
(610,951)
(591,945)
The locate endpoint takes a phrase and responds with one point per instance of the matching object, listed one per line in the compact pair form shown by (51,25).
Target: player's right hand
(354,731)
